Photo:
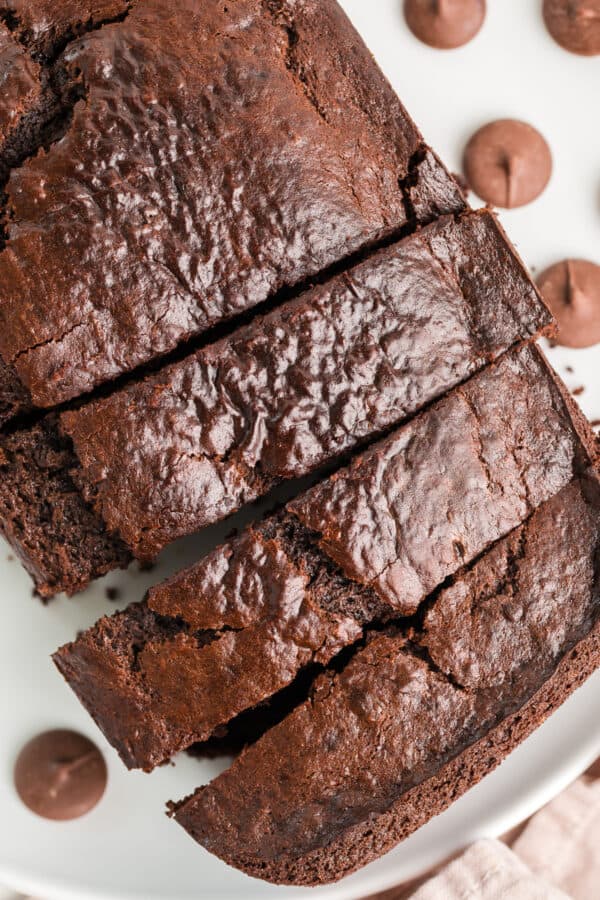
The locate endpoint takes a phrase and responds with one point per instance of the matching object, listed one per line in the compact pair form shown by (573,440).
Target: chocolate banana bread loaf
(420,714)
(172,172)
(197,159)
(367,545)
(279,398)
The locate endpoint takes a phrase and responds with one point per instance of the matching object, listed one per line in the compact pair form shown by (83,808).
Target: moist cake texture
(420,714)
(59,539)
(195,159)
(289,392)
(233,630)
(14,398)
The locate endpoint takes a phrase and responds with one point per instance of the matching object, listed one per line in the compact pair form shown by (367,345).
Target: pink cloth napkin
(488,871)
(554,856)
(562,842)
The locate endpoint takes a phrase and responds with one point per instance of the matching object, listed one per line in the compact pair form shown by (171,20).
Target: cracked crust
(332,369)
(500,616)
(207,200)
(365,842)
(476,464)
(276,601)
(266,606)
(303,385)
(393,739)
(20,80)
(36,109)
(44,27)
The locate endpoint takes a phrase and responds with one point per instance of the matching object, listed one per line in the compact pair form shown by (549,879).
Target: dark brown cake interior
(59,538)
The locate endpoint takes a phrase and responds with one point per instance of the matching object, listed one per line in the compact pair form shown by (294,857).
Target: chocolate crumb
(578,391)
(569,369)
(112,593)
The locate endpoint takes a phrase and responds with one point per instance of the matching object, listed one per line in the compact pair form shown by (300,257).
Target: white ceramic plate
(126,848)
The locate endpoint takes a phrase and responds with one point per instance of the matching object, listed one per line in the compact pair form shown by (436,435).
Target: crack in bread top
(195,179)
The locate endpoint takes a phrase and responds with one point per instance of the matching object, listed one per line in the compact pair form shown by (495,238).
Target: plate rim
(493,824)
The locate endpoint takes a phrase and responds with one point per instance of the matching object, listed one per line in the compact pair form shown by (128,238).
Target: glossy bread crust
(35,108)
(292,390)
(210,155)
(404,512)
(176,669)
(308,382)
(405,728)
(242,624)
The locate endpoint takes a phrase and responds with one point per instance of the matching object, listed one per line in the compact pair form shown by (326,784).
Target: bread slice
(212,156)
(418,716)
(294,390)
(241,625)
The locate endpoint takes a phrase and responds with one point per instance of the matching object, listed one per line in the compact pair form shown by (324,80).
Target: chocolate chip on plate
(444,24)
(60,775)
(574,24)
(508,163)
(571,289)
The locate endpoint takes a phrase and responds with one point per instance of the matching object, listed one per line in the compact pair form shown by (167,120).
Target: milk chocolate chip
(508,163)
(574,24)
(571,289)
(444,24)
(60,775)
